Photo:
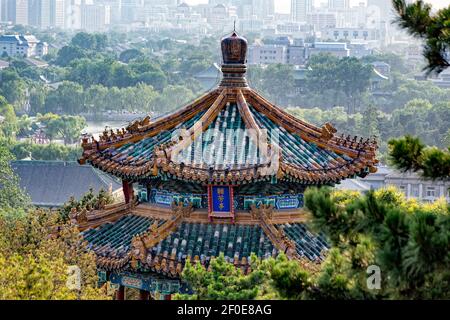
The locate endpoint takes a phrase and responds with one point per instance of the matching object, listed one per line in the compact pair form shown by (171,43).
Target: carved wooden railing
(84,216)
(140,244)
(279,239)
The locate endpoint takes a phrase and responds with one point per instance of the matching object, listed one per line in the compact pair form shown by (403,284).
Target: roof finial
(234,27)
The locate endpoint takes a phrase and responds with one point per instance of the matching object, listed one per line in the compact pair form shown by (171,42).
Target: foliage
(89,201)
(222,282)
(348,75)
(66,127)
(51,151)
(408,241)
(11,196)
(35,254)
(8,124)
(417,18)
(409,153)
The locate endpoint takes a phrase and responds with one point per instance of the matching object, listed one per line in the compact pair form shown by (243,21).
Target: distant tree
(353,78)
(8,125)
(66,127)
(278,82)
(130,54)
(85,40)
(96,98)
(67,98)
(13,88)
(11,196)
(67,54)
(417,19)
(172,98)
(38,94)
(52,151)
(347,75)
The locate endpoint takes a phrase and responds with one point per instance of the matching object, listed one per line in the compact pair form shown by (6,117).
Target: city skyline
(283,6)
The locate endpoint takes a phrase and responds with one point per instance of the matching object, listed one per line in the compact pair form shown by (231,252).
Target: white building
(95,17)
(300,9)
(22,46)
(353,34)
(411,184)
(267,54)
(321,20)
(338,49)
(338,4)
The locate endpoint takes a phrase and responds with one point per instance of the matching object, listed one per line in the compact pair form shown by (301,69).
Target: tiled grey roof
(52,183)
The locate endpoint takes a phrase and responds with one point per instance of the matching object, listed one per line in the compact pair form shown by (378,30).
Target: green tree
(35,254)
(66,127)
(278,82)
(418,19)
(8,123)
(407,240)
(129,54)
(67,98)
(409,153)
(11,196)
(67,54)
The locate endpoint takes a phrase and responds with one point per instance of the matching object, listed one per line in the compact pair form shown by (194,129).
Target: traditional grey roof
(52,183)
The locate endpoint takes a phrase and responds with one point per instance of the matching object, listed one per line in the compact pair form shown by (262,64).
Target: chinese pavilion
(224,174)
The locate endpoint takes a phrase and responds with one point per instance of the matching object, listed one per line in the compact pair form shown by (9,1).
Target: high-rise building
(116,7)
(130,9)
(57,13)
(263,8)
(95,17)
(385,7)
(300,9)
(47,13)
(15,11)
(338,4)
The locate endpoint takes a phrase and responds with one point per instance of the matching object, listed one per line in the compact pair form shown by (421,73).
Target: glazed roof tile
(112,243)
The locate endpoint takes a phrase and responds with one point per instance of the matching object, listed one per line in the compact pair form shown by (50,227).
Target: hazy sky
(284,5)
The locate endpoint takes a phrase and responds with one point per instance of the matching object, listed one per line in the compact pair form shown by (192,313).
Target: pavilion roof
(196,241)
(306,153)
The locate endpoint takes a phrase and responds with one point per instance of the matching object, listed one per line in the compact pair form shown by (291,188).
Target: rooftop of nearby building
(52,183)
(18,38)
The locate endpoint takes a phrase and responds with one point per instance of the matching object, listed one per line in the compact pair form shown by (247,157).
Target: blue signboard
(147,283)
(221,199)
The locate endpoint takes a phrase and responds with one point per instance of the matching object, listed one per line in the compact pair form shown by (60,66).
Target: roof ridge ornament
(234,55)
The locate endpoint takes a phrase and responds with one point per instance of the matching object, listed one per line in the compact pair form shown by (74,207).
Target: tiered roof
(308,154)
(196,241)
(304,153)
(151,238)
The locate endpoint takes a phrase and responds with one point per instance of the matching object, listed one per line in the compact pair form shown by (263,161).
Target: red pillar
(144,295)
(120,294)
(168,297)
(128,191)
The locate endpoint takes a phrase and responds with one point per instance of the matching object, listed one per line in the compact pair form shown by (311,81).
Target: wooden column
(168,297)
(144,295)
(128,191)
(120,294)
